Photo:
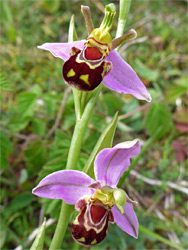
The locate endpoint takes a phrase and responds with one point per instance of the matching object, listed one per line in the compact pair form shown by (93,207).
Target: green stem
(79,130)
(61,227)
(123,14)
(72,161)
(83,101)
(159,238)
(77,97)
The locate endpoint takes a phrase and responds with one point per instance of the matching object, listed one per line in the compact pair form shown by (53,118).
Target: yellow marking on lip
(81,239)
(75,222)
(71,73)
(93,242)
(85,78)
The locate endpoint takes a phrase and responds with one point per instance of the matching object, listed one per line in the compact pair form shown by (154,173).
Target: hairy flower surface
(94,60)
(97,201)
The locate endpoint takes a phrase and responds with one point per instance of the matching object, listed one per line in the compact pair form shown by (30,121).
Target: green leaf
(112,103)
(36,155)
(3,236)
(19,202)
(58,155)
(158,116)
(83,158)
(18,123)
(26,103)
(39,240)
(98,122)
(51,207)
(52,166)
(173,92)
(60,145)
(69,122)
(72,35)
(36,89)
(145,72)
(182,81)
(105,141)
(4,84)
(159,237)
(50,101)
(51,6)
(39,126)
(5,149)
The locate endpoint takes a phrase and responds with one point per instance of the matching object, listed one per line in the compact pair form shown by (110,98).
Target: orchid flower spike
(96,201)
(94,60)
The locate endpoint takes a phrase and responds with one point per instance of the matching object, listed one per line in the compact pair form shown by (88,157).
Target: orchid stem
(84,104)
(123,14)
(72,161)
(61,227)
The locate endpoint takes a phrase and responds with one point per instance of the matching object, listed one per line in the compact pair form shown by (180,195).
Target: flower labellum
(96,201)
(94,60)
(91,224)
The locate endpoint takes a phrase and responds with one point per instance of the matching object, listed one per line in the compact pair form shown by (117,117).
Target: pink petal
(67,185)
(62,50)
(128,221)
(110,163)
(123,79)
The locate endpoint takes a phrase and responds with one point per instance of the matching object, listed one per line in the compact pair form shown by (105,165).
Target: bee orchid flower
(94,60)
(97,201)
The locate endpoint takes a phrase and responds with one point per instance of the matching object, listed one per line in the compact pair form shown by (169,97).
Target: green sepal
(72,35)
(131,34)
(39,240)
(104,141)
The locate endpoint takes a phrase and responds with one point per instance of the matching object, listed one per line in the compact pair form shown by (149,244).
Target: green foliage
(36,155)
(51,6)
(39,241)
(7,19)
(5,150)
(39,126)
(145,72)
(175,91)
(18,124)
(32,90)
(105,141)
(25,104)
(19,202)
(4,84)
(112,103)
(157,117)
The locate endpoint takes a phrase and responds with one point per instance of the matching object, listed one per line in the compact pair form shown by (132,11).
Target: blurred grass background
(32,90)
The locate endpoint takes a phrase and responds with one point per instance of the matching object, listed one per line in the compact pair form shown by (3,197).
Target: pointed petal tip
(34,190)
(147,97)
(107,160)
(128,222)
(123,79)
(40,46)
(62,50)
(67,185)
